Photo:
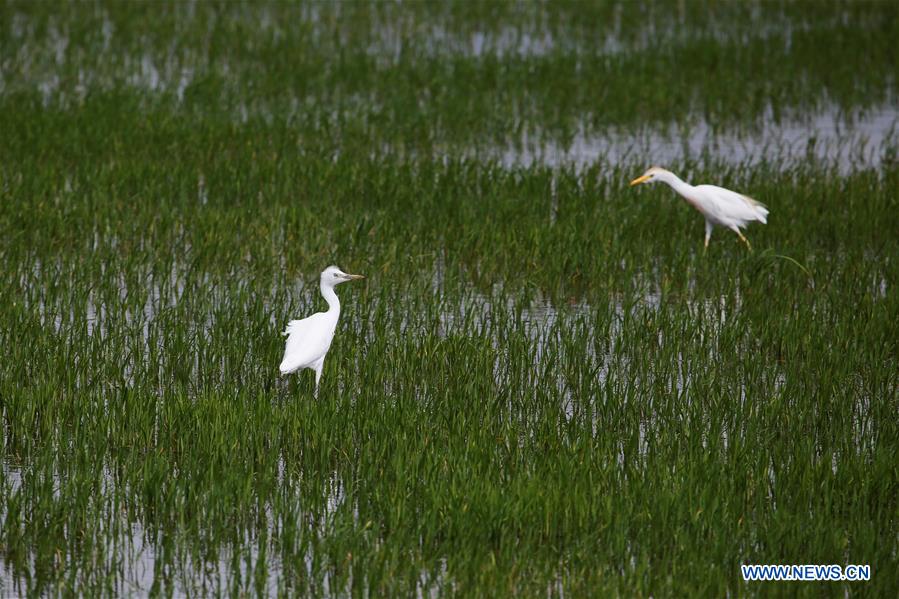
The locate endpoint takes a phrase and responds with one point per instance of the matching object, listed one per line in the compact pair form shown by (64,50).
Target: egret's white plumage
(719,206)
(309,339)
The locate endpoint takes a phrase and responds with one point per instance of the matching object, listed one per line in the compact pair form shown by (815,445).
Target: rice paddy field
(543,387)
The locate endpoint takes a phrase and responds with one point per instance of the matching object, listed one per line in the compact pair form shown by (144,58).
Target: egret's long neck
(676,183)
(331,298)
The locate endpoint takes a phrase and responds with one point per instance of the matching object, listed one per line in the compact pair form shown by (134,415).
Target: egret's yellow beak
(354,277)
(642,179)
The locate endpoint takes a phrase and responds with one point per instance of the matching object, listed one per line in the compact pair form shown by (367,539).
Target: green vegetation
(543,388)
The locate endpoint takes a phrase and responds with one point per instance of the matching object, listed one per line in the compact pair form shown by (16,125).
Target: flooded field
(826,139)
(544,387)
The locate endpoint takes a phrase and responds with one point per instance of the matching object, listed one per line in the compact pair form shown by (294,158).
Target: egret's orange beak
(642,179)
(354,277)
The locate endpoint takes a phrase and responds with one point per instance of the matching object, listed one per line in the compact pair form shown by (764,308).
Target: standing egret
(719,206)
(309,339)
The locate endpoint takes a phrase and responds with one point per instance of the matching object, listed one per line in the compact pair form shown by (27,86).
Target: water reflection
(827,138)
(48,62)
(144,558)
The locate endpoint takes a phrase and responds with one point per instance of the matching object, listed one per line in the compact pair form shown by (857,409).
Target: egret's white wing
(308,341)
(732,206)
(760,209)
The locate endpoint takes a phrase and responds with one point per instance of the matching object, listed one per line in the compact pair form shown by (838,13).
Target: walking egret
(719,206)
(309,339)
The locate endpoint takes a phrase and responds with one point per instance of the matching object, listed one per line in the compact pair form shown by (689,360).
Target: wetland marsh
(543,388)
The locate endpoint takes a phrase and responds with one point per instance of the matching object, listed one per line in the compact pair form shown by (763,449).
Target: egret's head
(652,174)
(334,276)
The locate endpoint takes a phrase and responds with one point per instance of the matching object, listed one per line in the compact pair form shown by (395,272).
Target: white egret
(309,339)
(719,206)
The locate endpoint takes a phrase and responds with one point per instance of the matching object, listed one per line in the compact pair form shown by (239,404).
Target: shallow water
(820,132)
(826,138)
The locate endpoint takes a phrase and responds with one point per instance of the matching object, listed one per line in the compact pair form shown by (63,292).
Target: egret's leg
(318,366)
(742,237)
(708,235)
